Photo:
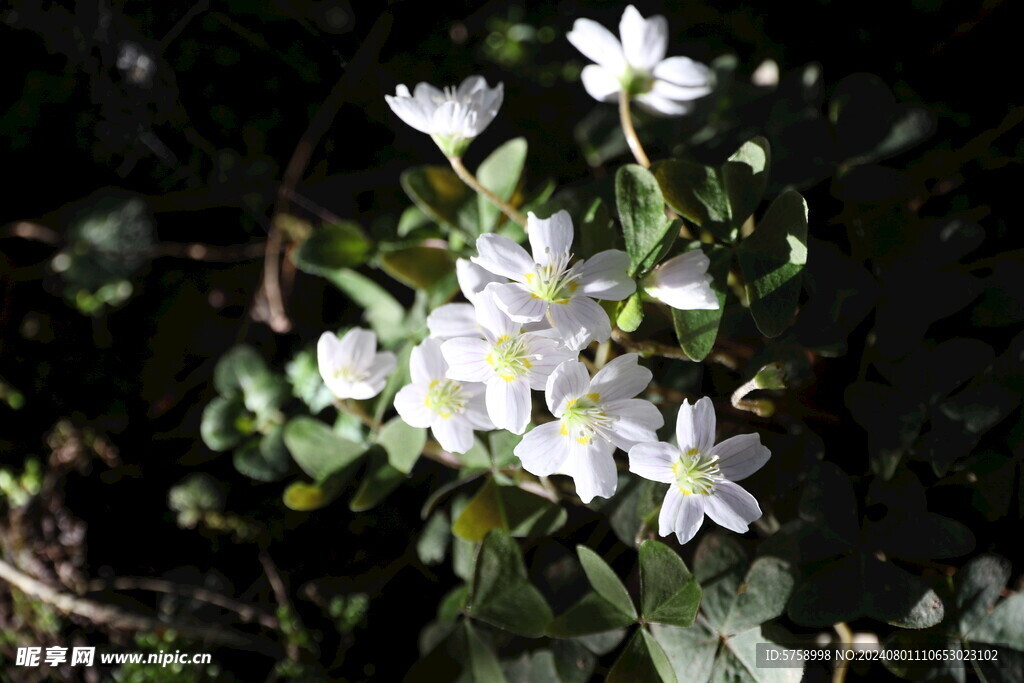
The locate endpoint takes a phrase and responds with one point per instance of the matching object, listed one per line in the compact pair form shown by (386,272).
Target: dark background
(205,138)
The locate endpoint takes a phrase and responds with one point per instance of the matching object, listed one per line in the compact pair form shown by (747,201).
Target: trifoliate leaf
(381,310)
(772,260)
(642,660)
(592,614)
(501,594)
(378,481)
(745,176)
(225,423)
(403,443)
(440,194)
(333,246)
(669,593)
(698,194)
(647,231)
(605,581)
(500,173)
(319,451)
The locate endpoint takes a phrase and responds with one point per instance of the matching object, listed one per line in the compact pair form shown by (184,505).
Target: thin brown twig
(281,595)
(244,610)
(115,617)
(270,287)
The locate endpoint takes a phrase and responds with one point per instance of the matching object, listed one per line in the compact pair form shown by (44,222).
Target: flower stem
(626,117)
(470,179)
(762,408)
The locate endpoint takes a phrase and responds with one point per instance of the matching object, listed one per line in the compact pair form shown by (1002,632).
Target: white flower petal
(644,41)
(453,320)
(382,365)
(683,72)
(622,377)
(470,85)
(604,276)
(472,278)
(660,105)
(598,44)
(328,356)
(592,469)
(476,408)
(669,511)
(741,456)
(600,83)
(411,404)
(678,93)
(426,363)
(546,354)
(695,425)
(467,359)
(491,317)
(732,507)
(580,321)
(508,404)
(413,112)
(653,461)
(503,257)
(543,450)
(424,92)
(683,282)
(357,348)
(519,303)
(550,238)
(455,433)
(689,516)
(569,380)
(636,422)
(362,390)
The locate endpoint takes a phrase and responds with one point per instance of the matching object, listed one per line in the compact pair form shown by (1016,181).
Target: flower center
(584,418)
(509,357)
(696,472)
(444,397)
(636,82)
(350,374)
(554,282)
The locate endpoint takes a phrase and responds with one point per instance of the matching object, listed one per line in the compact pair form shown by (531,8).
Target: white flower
(509,361)
(459,320)
(594,417)
(451,409)
(638,65)
(683,282)
(701,473)
(453,116)
(545,284)
(351,366)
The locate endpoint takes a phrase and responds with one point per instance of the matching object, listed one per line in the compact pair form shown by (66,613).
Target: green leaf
(418,267)
(691,651)
(520,513)
(642,212)
(669,594)
(333,246)
(266,393)
(440,194)
(265,459)
(483,513)
(979,584)
(462,657)
(384,314)
(642,660)
(772,259)
(379,480)
(605,581)
(502,445)
(224,423)
(697,193)
(500,173)
(403,443)
(432,545)
(761,596)
(238,368)
(698,330)
(304,497)
(318,450)
(307,384)
(597,230)
(631,313)
(745,176)
(592,614)
(1004,626)
(500,593)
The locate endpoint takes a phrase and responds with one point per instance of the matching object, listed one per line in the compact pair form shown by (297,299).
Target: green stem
(626,117)
(471,181)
